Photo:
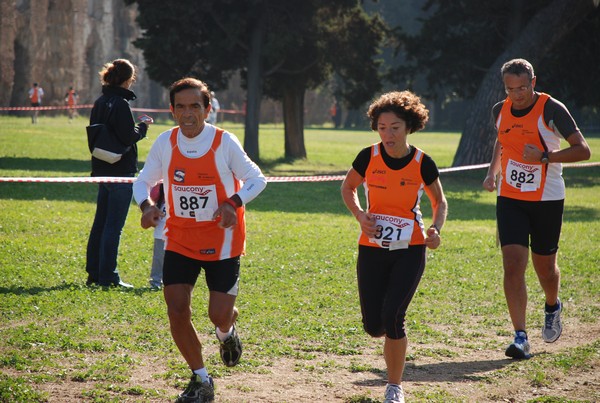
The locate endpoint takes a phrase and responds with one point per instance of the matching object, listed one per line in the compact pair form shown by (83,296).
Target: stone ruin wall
(59,43)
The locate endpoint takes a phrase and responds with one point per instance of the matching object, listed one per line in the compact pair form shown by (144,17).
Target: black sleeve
(361,162)
(557,115)
(496,111)
(121,119)
(429,170)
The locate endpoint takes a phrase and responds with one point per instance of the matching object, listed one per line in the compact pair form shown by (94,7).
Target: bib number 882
(521,177)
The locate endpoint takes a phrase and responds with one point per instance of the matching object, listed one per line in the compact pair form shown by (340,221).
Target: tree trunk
(293,119)
(254,91)
(542,32)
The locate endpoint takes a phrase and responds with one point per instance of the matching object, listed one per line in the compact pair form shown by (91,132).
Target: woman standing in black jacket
(112,108)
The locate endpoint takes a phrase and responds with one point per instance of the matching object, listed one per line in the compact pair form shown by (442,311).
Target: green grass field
(298,297)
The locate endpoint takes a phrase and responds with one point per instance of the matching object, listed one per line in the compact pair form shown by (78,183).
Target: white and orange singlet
(520,179)
(197,188)
(35,99)
(393,198)
(71,98)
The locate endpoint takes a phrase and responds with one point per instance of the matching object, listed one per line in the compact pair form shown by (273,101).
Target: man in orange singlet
(36,93)
(526,170)
(393,240)
(207,179)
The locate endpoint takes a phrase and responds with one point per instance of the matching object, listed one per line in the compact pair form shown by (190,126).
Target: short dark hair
(188,83)
(518,67)
(404,104)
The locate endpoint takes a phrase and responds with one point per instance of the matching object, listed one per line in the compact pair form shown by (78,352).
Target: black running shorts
(221,275)
(521,222)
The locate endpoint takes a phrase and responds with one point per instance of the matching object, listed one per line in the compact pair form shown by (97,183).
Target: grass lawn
(300,318)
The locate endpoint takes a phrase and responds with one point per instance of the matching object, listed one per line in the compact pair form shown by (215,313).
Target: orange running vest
(520,179)
(393,198)
(34,96)
(196,191)
(71,98)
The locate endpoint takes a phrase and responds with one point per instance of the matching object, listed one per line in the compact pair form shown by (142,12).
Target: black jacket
(121,120)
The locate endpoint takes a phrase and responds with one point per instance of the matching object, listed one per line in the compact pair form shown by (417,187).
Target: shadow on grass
(45,164)
(80,192)
(20,290)
(450,371)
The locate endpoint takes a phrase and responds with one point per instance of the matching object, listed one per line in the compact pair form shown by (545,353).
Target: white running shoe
(552,325)
(394,394)
(519,349)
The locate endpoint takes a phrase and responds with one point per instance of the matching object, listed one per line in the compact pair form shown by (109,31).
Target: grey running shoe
(519,349)
(394,394)
(231,349)
(552,325)
(198,391)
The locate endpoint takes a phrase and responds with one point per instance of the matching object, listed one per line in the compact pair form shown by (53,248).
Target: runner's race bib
(197,202)
(393,232)
(526,177)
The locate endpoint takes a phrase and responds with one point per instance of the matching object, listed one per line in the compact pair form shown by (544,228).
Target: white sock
(223,336)
(202,373)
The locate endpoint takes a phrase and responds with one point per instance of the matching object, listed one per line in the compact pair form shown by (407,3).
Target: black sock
(517,331)
(552,308)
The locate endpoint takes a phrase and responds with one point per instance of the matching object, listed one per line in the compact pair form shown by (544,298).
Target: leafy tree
(462,45)
(282,49)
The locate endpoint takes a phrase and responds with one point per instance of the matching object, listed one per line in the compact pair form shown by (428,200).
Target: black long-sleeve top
(121,120)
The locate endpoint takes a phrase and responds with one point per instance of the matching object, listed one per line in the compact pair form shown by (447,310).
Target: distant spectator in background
(214,110)
(336,114)
(36,93)
(157,195)
(71,98)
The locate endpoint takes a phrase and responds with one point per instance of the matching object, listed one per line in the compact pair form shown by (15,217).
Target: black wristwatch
(545,158)
(436,228)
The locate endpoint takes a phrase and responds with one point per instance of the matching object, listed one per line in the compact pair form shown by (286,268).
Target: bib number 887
(192,203)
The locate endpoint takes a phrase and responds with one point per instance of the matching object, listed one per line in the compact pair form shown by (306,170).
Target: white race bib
(393,232)
(526,177)
(198,202)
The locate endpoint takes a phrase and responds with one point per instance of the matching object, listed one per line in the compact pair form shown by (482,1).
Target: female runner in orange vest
(393,239)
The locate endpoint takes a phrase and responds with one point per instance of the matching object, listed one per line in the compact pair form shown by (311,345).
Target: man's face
(189,112)
(519,89)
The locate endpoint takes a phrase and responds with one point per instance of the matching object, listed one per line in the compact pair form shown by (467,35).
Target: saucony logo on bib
(179,175)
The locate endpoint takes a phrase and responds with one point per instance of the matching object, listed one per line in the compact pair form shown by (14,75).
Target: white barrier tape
(88,106)
(43,108)
(273,179)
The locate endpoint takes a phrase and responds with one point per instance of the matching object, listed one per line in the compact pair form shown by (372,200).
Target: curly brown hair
(404,104)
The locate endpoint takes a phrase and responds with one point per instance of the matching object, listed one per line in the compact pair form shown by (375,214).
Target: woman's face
(393,133)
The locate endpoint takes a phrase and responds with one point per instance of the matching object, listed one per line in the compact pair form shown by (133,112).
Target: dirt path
(330,378)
